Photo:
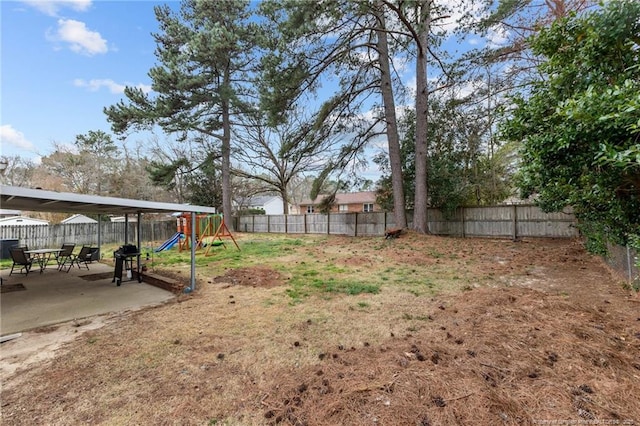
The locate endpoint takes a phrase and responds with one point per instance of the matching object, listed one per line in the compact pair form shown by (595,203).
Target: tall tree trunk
(226,157)
(393,139)
(420,223)
(285,202)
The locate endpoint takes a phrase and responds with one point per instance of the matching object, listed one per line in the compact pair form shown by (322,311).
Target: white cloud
(96,84)
(51,7)
(116,88)
(497,36)
(11,136)
(454,10)
(465,89)
(79,37)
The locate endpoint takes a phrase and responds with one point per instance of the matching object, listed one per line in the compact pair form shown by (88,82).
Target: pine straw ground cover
(420,330)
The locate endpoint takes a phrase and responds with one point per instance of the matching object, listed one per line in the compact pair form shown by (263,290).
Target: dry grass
(460,332)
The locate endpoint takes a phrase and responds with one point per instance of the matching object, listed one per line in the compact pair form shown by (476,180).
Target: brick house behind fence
(352,202)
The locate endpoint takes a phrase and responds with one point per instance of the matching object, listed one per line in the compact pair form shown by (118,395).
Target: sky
(62,62)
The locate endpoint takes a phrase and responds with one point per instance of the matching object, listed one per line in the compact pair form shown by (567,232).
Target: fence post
(286,224)
(268,224)
(328,224)
(464,224)
(629,263)
(515,222)
(355,229)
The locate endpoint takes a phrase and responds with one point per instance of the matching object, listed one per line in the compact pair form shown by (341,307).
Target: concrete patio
(53,297)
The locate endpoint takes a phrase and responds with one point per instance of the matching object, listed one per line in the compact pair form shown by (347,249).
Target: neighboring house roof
(261,200)
(356,197)
(346,198)
(79,218)
(22,220)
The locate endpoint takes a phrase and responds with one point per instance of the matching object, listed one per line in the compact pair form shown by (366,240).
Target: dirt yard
(530,332)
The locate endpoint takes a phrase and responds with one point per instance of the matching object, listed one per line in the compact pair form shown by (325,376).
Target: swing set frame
(208,226)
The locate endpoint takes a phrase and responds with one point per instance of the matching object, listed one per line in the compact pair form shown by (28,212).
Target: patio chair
(25,248)
(21,259)
(82,258)
(65,255)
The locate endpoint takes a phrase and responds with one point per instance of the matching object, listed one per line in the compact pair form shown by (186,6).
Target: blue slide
(170,242)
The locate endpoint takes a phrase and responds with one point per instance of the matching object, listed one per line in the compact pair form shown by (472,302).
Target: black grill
(124,261)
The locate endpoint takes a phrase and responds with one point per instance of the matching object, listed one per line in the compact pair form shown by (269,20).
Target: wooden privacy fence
(39,236)
(514,221)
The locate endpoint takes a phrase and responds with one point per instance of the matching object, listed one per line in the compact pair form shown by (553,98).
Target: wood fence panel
(277,223)
(317,223)
(533,222)
(260,223)
(157,231)
(296,224)
(341,223)
(32,236)
(371,223)
(80,233)
(244,223)
(39,236)
(494,221)
(439,225)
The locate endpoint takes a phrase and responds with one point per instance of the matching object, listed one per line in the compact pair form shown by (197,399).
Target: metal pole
(138,228)
(193,252)
(126,228)
(99,235)
(139,248)
(629,263)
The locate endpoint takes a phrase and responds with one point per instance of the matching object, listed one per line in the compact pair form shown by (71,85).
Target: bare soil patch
(252,277)
(523,333)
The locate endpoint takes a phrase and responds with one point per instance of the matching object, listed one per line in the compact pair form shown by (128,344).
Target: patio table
(43,256)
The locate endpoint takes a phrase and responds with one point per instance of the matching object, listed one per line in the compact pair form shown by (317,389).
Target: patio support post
(99,236)
(139,226)
(126,228)
(193,252)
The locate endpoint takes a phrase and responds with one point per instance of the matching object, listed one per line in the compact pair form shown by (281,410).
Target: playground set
(210,232)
